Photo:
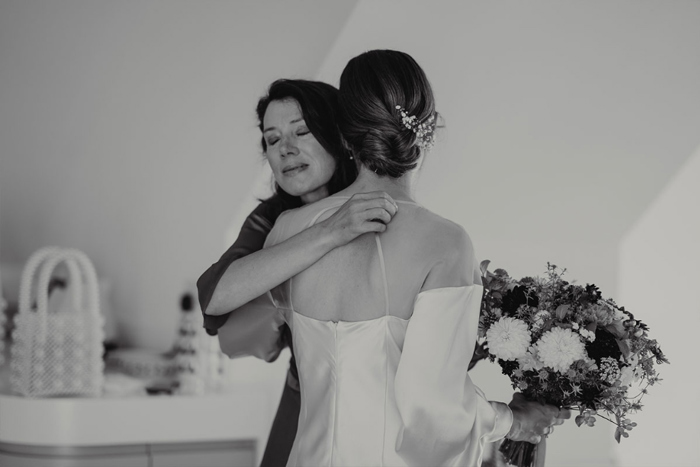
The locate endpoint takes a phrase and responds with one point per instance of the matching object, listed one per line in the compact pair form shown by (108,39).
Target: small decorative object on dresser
(198,357)
(57,343)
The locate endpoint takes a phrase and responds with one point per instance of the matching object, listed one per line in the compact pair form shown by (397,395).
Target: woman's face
(301,166)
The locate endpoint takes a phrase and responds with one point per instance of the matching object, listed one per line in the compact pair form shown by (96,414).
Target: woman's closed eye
(303,131)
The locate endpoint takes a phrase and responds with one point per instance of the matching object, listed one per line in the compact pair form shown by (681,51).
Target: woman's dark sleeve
(251,239)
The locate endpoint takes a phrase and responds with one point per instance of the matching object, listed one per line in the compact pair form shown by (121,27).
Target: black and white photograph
(355,233)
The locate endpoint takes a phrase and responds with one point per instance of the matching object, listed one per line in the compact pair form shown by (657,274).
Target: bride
(384,327)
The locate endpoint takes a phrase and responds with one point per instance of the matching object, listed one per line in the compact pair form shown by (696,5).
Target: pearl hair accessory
(424,131)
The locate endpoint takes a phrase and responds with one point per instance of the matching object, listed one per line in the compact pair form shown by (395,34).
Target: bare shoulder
(440,233)
(448,251)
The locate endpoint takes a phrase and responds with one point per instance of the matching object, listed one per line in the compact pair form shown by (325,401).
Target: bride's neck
(398,188)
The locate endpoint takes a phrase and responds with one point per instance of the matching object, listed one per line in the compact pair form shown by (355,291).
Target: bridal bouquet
(565,345)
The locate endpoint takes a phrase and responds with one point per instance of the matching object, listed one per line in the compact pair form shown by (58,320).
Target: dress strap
(383,267)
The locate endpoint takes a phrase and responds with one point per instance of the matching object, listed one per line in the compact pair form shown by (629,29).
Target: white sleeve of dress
(446,419)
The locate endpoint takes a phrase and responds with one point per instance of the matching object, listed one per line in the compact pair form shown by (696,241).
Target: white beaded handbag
(58,351)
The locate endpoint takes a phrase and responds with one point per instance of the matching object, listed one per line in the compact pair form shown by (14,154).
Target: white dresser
(147,431)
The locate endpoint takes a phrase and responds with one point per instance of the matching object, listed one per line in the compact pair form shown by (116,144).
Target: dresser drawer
(202,454)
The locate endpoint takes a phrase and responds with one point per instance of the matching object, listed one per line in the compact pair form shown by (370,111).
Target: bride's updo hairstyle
(372,85)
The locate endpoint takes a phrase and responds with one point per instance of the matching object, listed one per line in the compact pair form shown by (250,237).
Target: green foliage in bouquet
(565,345)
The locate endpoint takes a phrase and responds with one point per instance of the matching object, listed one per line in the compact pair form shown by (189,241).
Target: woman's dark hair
(371,86)
(320,108)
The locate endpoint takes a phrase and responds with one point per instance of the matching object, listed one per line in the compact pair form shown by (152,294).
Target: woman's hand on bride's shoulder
(362,213)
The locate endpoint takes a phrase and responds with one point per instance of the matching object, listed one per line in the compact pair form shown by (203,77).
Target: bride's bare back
(379,274)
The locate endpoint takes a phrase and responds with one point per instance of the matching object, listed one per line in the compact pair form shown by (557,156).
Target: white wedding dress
(382,359)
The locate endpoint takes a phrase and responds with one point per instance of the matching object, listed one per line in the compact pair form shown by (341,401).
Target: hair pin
(424,131)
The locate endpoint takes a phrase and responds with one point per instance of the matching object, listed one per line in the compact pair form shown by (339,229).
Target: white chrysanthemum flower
(558,348)
(508,338)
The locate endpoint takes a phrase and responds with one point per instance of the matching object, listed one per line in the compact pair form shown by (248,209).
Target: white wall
(659,279)
(564,120)
(128,130)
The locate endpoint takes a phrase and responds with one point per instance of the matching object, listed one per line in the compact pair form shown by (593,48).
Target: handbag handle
(89,275)
(75,284)
(81,273)
(30,268)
